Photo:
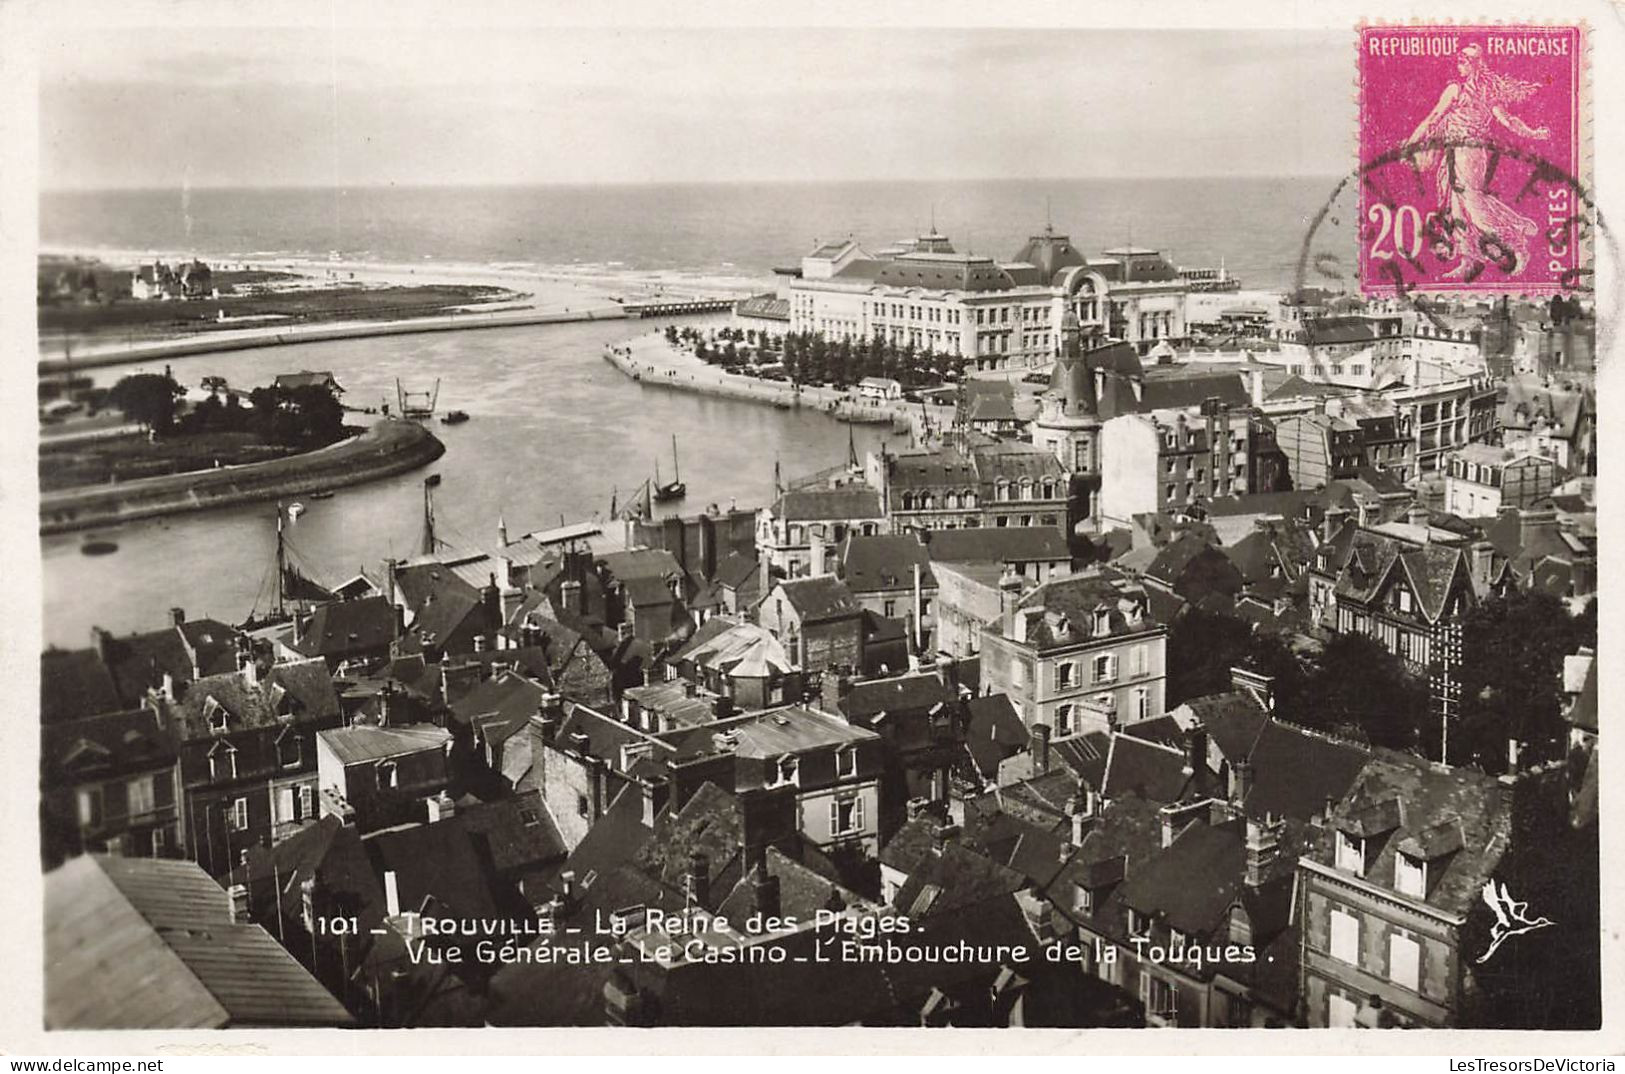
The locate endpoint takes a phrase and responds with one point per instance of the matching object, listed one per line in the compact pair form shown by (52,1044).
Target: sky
(448,105)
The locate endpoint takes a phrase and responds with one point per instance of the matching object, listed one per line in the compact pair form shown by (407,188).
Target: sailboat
(293,589)
(673,489)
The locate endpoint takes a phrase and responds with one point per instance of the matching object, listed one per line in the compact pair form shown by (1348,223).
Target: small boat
(673,489)
(99,547)
(320,494)
(295,510)
(455,417)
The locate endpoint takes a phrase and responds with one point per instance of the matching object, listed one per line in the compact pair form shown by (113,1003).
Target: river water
(554,429)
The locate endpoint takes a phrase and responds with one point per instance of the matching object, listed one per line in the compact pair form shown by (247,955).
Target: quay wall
(383,450)
(215,342)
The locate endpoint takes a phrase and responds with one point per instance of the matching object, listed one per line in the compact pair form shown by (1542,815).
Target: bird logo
(1510,917)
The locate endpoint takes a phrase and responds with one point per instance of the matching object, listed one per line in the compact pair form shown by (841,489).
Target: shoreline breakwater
(385,449)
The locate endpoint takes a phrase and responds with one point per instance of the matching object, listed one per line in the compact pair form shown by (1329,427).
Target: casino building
(999,315)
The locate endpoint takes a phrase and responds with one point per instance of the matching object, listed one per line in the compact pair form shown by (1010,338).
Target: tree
(148,398)
(1512,678)
(1358,689)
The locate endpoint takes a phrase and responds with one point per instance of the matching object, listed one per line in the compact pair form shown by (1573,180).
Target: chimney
(1040,748)
(392,894)
(1332,521)
(1513,748)
(916,807)
(238,893)
(722,707)
(816,556)
(919,612)
(1195,750)
(1416,514)
(1263,849)
(765,890)
(177,616)
(944,835)
(491,600)
(1009,598)
(654,794)
(699,879)
(570,597)
(1241,781)
(1480,558)
(441,807)
(649,677)
(945,670)
(1077,808)
(103,641)
(1260,686)
(391,589)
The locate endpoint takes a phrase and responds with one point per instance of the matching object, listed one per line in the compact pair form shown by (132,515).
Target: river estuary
(554,429)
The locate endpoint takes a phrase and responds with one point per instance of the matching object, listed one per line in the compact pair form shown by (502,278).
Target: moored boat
(455,417)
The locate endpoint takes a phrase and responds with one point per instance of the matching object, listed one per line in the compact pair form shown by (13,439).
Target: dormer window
(1102,622)
(785,772)
(1139,924)
(388,774)
(215,713)
(1410,876)
(223,762)
(290,750)
(1351,853)
(1083,900)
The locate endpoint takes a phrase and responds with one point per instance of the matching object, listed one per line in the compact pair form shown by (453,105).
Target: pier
(679,308)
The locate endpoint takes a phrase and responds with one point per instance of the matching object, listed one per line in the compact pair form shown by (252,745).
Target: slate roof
(1297,771)
(741,649)
(949,881)
(1076,597)
(302,689)
(914,692)
(506,699)
(815,505)
(1425,797)
(348,628)
(793,729)
(911,844)
(825,597)
(140,943)
(884,563)
(100,746)
(642,563)
(1430,569)
(998,544)
(512,833)
(353,745)
(1193,882)
(1085,755)
(1152,771)
(993,732)
(75,683)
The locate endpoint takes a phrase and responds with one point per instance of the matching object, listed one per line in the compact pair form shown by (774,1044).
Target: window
(388,775)
(237,815)
(1410,876)
(307,801)
(785,771)
(846,816)
(1138,658)
(1339,1012)
(891,609)
(1345,937)
(290,750)
(1063,719)
(287,809)
(1065,675)
(846,762)
(1405,602)
(1159,997)
(223,762)
(1138,924)
(140,796)
(1142,703)
(583,807)
(1404,961)
(1350,854)
(1083,900)
(216,715)
(1104,667)
(1102,624)
(90,807)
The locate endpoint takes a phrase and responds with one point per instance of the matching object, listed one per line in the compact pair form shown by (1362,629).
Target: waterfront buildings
(972,485)
(797,535)
(998,315)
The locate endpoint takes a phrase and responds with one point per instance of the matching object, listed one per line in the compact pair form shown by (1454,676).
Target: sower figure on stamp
(1456,140)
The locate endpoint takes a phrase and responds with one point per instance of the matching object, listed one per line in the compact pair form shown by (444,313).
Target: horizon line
(576,184)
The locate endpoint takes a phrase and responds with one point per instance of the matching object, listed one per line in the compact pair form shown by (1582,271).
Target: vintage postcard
(573,526)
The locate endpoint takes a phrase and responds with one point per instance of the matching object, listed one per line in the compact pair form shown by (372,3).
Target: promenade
(652,360)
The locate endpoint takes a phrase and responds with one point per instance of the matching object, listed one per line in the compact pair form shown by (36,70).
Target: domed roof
(1051,253)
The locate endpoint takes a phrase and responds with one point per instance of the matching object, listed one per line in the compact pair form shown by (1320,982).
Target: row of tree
(810,358)
(304,416)
(1511,679)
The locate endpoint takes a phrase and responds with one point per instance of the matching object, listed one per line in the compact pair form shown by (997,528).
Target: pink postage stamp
(1471,150)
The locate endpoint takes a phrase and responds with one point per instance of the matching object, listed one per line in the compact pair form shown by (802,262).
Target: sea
(555,432)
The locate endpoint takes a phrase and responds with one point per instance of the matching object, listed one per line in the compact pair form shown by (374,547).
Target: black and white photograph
(773,517)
